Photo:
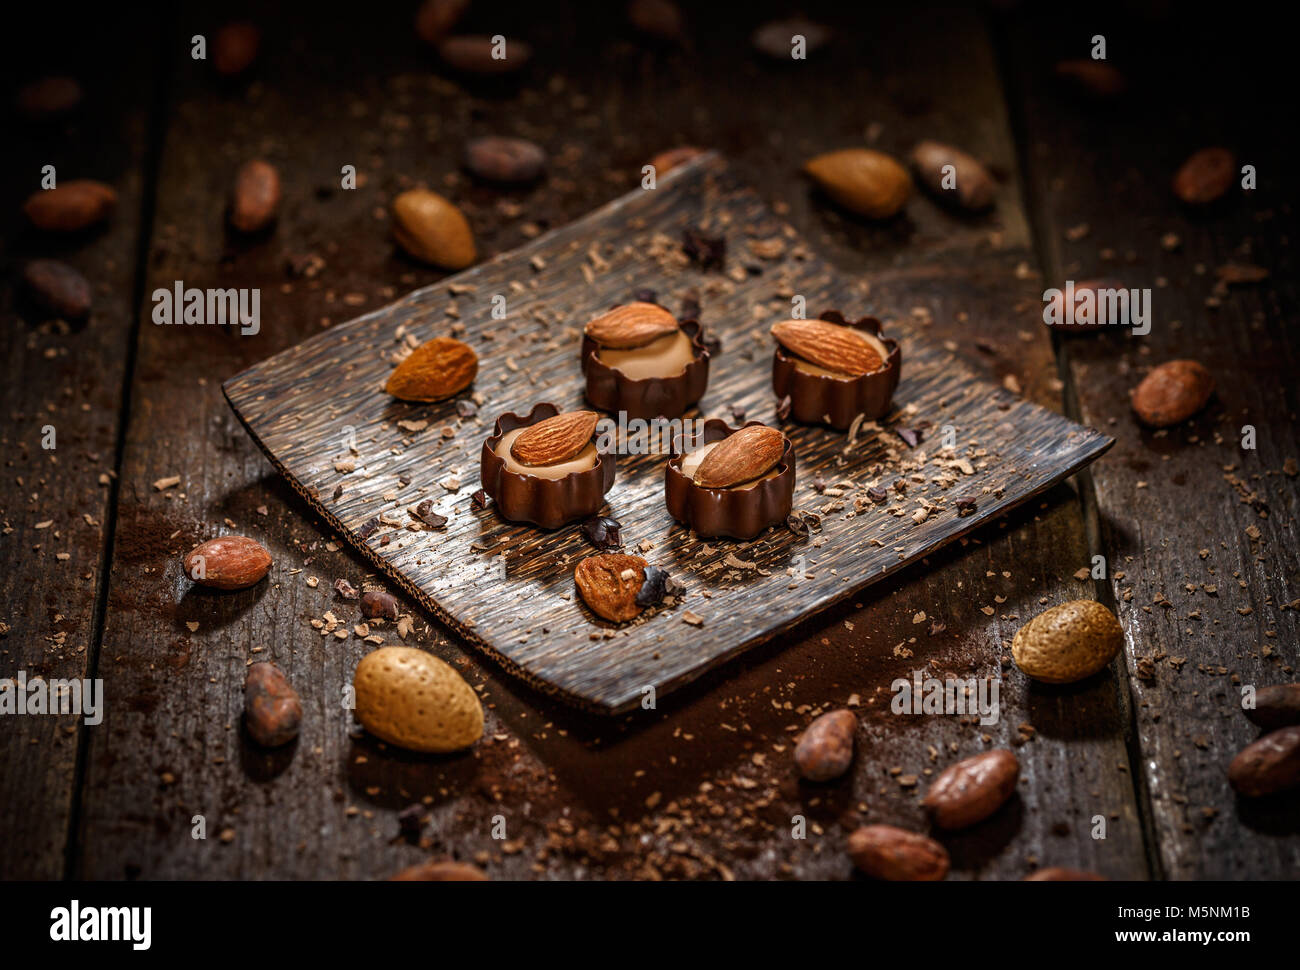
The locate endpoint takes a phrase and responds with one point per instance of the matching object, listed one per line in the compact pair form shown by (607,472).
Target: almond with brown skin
(968,185)
(825,749)
(230,562)
(1270,765)
(256,197)
(555,440)
(436,369)
(972,790)
(863,180)
(609,583)
(742,457)
(1172,393)
(72,206)
(1206,176)
(432,229)
(886,852)
(631,325)
(828,345)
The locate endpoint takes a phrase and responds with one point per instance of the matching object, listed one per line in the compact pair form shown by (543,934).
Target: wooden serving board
(363,459)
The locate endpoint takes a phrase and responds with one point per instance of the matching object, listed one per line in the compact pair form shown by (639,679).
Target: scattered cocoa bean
(1172,393)
(968,185)
(1063,874)
(660,19)
(1276,706)
(58,287)
(886,852)
(272,711)
(441,870)
(1096,78)
(257,196)
(1271,764)
(435,19)
(479,55)
(1206,176)
(972,790)
(377,604)
(48,98)
(234,48)
(776,38)
(70,207)
(826,748)
(497,158)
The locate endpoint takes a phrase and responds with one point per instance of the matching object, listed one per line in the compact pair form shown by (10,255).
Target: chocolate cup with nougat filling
(547,502)
(837,401)
(612,390)
(739,511)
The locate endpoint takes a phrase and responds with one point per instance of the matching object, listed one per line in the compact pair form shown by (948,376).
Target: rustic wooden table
(1199,533)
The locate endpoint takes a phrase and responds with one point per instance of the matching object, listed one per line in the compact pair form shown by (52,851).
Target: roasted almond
(436,369)
(828,345)
(748,454)
(631,325)
(609,584)
(230,562)
(864,181)
(1172,393)
(555,440)
(72,206)
(432,229)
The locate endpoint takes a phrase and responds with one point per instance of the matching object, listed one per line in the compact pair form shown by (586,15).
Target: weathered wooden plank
(703,786)
(1199,531)
(61,392)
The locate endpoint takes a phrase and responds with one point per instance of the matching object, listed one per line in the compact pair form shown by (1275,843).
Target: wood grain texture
(302,405)
(1198,530)
(703,786)
(61,393)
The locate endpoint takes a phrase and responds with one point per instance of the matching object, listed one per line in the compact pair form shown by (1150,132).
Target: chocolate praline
(833,400)
(739,511)
(547,502)
(612,389)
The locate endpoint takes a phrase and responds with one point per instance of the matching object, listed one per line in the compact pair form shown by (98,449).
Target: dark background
(704,787)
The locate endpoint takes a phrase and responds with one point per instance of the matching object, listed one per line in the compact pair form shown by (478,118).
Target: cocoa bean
(826,748)
(58,287)
(272,711)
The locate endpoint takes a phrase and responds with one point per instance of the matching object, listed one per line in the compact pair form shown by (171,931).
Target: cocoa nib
(425,513)
(410,821)
(656,585)
(644,296)
(801,523)
(479,499)
(965,506)
(911,436)
(707,252)
(466,408)
(368,529)
(602,532)
(345,589)
(877,494)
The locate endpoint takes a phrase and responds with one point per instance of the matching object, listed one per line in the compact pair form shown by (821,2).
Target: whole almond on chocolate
(497,158)
(72,206)
(58,287)
(441,870)
(1206,176)
(1172,393)
(631,325)
(1270,765)
(886,852)
(1063,874)
(235,47)
(609,583)
(825,749)
(863,180)
(1276,706)
(481,55)
(828,345)
(432,229)
(972,790)
(1068,642)
(272,710)
(742,457)
(555,440)
(436,369)
(953,176)
(48,97)
(256,197)
(668,160)
(230,562)
(435,19)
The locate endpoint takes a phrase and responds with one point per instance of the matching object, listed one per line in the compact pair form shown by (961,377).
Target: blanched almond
(828,345)
(631,325)
(555,440)
(748,454)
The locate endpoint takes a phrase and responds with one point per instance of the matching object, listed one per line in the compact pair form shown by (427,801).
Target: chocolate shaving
(644,296)
(425,513)
(877,494)
(801,523)
(466,408)
(345,589)
(479,499)
(911,436)
(708,252)
(783,408)
(368,529)
(602,532)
